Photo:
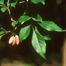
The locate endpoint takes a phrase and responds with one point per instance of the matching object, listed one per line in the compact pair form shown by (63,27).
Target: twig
(9,10)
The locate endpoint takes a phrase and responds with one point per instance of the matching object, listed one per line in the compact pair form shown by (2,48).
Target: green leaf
(39,45)
(13,4)
(3,9)
(14,23)
(37,1)
(41,37)
(1,1)
(38,18)
(2,33)
(50,26)
(24,18)
(46,37)
(24,33)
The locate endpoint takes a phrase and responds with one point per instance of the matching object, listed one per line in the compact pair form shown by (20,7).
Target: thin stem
(8,1)
(5,30)
(9,10)
(10,14)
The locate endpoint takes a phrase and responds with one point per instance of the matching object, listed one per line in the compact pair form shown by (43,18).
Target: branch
(9,10)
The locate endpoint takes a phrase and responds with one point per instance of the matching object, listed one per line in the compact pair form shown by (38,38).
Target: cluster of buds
(14,40)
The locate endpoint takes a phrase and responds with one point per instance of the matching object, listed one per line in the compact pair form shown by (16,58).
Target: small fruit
(11,40)
(16,39)
(13,43)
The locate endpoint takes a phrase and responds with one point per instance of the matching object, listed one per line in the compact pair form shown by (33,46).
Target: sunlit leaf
(50,26)
(39,45)
(14,23)
(24,33)
(3,9)
(24,18)
(37,1)
(13,4)
(1,1)
(38,18)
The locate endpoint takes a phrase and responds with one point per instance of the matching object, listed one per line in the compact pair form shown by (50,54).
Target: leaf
(3,9)
(24,33)
(2,33)
(38,18)
(37,1)
(13,4)
(43,2)
(24,18)
(14,23)
(45,37)
(50,26)
(1,1)
(38,45)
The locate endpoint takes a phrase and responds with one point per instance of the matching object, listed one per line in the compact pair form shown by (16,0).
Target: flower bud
(13,43)
(17,39)
(11,40)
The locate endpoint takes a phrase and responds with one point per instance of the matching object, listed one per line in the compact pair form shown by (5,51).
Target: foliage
(24,33)
(38,40)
